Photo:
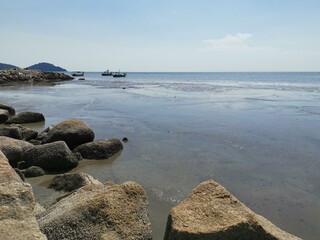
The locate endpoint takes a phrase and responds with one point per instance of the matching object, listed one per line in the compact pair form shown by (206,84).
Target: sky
(162,36)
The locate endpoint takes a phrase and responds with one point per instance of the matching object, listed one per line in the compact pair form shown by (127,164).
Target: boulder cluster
(19,75)
(58,148)
(90,209)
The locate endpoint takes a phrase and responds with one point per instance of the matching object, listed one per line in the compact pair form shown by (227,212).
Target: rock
(99,149)
(44,133)
(51,156)
(33,171)
(13,149)
(4,115)
(73,132)
(27,117)
(10,109)
(22,165)
(113,212)
(211,212)
(12,132)
(23,76)
(72,181)
(18,132)
(125,139)
(20,174)
(17,204)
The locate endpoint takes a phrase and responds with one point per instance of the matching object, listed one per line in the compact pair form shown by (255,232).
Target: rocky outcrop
(211,212)
(71,181)
(4,115)
(112,212)
(10,109)
(18,76)
(18,132)
(13,149)
(51,156)
(72,132)
(17,205)
(33,171)
(26,117)
(99,149)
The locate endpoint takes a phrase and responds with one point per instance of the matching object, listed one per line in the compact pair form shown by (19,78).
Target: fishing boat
(119,74)
(78,74)
(107,73)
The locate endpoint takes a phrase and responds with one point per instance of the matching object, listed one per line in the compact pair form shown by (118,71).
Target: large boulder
(26,117)
(13,149)
(71,181)
(99,149)
(17,205)
(112,212)
(51,156)
(211,212)
(4,115)
(10,109)
(18,132)
(73,132)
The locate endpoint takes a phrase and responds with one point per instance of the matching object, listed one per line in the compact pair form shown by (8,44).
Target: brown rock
(211,212)
(73,132)
(112,212)
(17,205)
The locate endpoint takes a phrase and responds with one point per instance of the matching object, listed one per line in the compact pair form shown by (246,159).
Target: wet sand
(261,141)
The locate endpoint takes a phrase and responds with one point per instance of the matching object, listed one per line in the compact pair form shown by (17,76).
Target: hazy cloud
(228,42)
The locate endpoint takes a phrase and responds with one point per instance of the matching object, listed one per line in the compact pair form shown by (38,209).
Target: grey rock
(99,149)
(26,117)
(73,132)
(18,132)
(13,149)
(33,171)
(71,181)
(10,109)
(51,156)
(4,115)
(13,132)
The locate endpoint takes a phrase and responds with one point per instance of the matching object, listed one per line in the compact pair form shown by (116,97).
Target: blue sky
(149,35)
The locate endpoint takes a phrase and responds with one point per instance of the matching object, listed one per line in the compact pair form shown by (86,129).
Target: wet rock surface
(26,117)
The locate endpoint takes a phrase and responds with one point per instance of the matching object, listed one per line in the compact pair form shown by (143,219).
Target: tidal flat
(257,134)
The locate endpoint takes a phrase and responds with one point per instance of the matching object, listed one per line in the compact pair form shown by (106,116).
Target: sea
(257,134)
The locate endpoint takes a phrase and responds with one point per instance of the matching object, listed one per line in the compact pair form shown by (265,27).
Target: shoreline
(120,121)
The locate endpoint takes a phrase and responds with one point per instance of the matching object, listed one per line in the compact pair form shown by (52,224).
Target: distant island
(6,66)
(46,67)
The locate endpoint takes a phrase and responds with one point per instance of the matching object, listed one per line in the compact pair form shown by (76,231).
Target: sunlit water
(255,133)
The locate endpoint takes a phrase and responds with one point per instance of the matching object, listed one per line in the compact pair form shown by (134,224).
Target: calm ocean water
(255,133)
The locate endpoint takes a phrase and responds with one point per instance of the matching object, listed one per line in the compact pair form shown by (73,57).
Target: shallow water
(255,133)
